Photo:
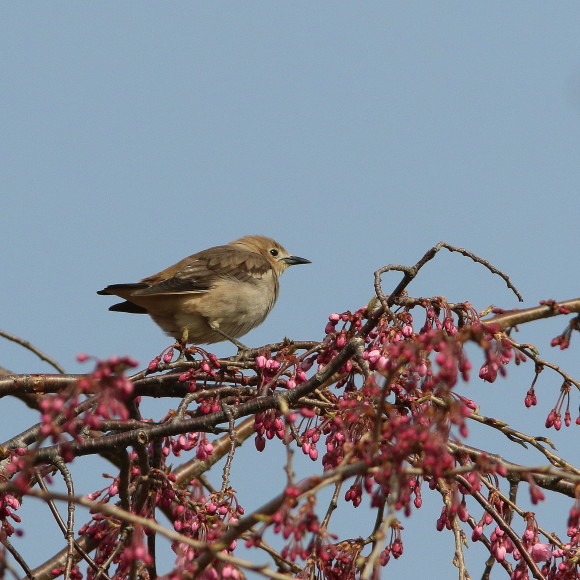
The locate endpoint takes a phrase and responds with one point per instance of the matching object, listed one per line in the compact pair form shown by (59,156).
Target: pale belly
(233,307)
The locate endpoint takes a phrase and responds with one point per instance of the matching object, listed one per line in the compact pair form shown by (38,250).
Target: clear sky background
(357,134)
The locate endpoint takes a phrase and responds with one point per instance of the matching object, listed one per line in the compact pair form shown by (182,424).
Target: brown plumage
(217,294)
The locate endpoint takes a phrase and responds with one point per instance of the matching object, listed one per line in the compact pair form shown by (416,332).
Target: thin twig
(60,522)
(446,492)
(535,442)
(372,562)
(333,504)
(18,557)
(531,352)
(459,559)
(506,529)
(514,508)
(231,451)
(411,272)
(41,355)
(69,533)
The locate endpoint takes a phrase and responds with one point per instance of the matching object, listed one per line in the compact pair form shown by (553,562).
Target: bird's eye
(273,252)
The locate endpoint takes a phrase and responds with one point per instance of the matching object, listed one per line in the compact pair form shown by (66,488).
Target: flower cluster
(204,519)
(294,525)
(554,418)
(399,415)
(65,414)
(383,419)
(187,442)
(8,504)
(206,368)
(563,340)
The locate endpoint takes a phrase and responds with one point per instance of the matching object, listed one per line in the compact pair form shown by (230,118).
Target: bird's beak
(293,260)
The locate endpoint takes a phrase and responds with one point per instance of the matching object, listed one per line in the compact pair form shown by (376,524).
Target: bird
(215,295)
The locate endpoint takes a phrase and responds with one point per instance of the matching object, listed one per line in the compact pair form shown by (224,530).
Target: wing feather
(199,272)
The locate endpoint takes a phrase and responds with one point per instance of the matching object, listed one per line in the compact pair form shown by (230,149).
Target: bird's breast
(235,307)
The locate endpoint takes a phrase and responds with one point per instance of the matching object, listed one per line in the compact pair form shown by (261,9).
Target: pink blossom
(541,552)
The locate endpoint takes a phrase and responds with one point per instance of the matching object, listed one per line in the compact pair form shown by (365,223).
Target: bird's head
(275,253)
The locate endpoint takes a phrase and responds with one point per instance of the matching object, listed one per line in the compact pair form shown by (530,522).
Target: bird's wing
(198,273)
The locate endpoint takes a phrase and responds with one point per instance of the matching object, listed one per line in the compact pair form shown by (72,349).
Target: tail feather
(112,289)
(128,307)
(124,291)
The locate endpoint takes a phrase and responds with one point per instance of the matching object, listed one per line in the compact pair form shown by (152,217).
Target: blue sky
(136,133)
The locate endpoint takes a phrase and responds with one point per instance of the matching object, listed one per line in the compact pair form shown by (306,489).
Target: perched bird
(217,294)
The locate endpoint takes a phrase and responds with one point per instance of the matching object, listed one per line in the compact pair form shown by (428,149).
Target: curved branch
(516,317)
(42,356)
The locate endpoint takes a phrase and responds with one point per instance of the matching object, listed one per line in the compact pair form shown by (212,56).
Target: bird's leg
(228,337)
(182,346)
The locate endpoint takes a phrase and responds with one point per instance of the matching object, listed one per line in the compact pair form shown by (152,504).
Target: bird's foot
(185,352)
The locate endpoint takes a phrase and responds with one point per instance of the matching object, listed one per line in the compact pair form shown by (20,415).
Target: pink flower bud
(541,552)
(500,553)
(260,443)
(152,366)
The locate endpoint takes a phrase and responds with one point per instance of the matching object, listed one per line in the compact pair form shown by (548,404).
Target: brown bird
(217,294)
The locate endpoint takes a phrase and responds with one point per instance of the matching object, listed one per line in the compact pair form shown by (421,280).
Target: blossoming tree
(374,406)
